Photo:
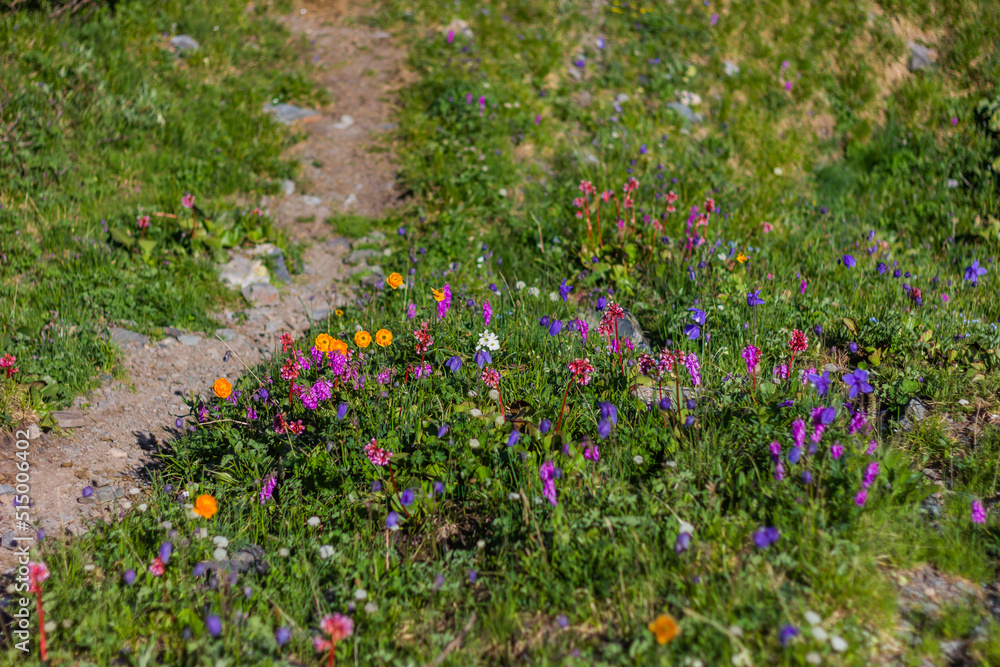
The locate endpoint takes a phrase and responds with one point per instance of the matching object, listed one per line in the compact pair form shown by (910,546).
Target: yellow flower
(205,505)
(383,337)
(338,312)
(394,280)
(362,339)
(665,628)
(741,258)
(339,346)
(222,388)
(324,342)
(438,294)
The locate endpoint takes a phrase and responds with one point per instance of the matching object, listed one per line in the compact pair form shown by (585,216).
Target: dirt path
(124,424)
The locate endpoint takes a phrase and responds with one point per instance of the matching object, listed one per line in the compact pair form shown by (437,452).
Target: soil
(126,423)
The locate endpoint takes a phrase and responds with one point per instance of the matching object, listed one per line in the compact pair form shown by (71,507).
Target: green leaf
(121,237)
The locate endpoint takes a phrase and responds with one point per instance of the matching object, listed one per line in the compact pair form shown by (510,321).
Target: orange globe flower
(339,347)
(205,505)
(222,388)
(362,339)
(383,337)
(324,342)
(394,280)
(438,294)
(665,628)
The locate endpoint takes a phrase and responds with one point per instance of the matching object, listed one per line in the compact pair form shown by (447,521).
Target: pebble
(68,418)
(920,57)
(288,187)
(351,200)
(286,114)
(102,495)
(344,123)
(7,490)
(732,69)
(34,432)
(358,256)
(125,336)
(685,111)
(184,43)
(310,200)
(9,540)
(262,294)
(117,453)
(226,334)
(242,272)
(189,340)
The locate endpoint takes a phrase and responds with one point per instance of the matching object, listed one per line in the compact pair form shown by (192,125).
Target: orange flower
(339,346)
(222,388)
(324,342)
(205,505)
(438,294)
(665,628)
(362,339)
(383,337)
(394,280)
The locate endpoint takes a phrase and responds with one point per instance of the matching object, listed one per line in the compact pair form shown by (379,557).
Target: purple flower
(978,512)
(807,477)
(282,635)
(881,268)
(165,550)
(683,543)
(555,327)
(604,429)
(565,289)
(765,537)
(391,520)
(821,382)
(692,331)
(602,303)
(794,454)
(342,411)
(267,488)
(973,272)
(213,624)
(482,357)
(836,450)
(608,411)
(897,273)
(443,431)
(698,315)
(861,497)
(179,423)
(547,473)
(857,382)
(512,439)
(129,577)
(871,472)
(544,425)
(406,497)
(473,575)
(87,492)
(544,320)
(786,634)
(592,453)
(753,298)
(454,364)
(199,569)
(487,313)
(438,488)
(849,261)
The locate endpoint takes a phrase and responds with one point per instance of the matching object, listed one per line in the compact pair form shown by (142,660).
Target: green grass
(578,581)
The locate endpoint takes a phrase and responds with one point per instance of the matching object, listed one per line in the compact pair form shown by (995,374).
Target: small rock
(189,340)
(457,27)
(685,111)
(265,249)
(281,270)
(321,313)
(358,256)
(68,418)
(287,114)
(962,401)
(117,453)
(381,34)
(9,540)
(338,242)
(344,123)
(351,200)
(915,410)
(226,334)
(184,43)
(920,57)
(732,69)
(102,495)
(261,294)
(288,187)
(123,336)
(33,432)
(99,481)
(310,200)
(7,490)
(621,98)
(241,272)
(832,368)
(275,326)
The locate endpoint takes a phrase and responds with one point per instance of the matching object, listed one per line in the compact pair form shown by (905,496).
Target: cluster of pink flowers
(487,313)
(321,391)
(491,378)
(581,370)
(142,222)
(336,627)
(267,487)
(424,340)
(377,455)
(444,304)
(282,425)
(7,363)
(548,474)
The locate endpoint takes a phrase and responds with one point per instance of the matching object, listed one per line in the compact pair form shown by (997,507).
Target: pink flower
(802,287)
(337,626)
(157,568)
(411,311)
(491,378)
(487,313)
(142,222)
(592,453)
(860,498)
(37,573)
(187,201)
(945,298)
(978,512)
(836,450)
(376,454)
(799,342)
(872,447)
(581,370)
(768,227)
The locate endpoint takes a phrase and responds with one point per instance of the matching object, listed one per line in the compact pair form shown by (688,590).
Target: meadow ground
(678,344)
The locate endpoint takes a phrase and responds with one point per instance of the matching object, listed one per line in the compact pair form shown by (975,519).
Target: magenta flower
(548,474)
(187,201)
(487,313)
(751,355)
(978,512)
(267,488)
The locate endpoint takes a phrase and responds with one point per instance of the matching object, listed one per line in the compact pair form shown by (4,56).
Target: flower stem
(41,628)
(392,480)
(565,395)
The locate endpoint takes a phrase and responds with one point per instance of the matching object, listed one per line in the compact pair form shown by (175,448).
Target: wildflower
(691,362)
(779,471)
(394,280)
(692,331)
(267,488)
(604,429)
(545,425)
(767,227)
(491,378)
(129,577)
(488,341)
(7,363)
(142,222)
(282,635)
(514,436)
(222,388)
(741,258)
(836,450)
(454,364)
(487,313)
(592,453)
(362,339)
(187,201)
(861,497)
(581,370)
(377,455)
(857,382)
(287,342)
(698,315)
(858,422)
(582,327)
(548,474)
(383,337)
(165,550)
(881,268)
(565,289)
(411,311)
(342,411)
(664,628)
(751,355)
(406,497)
(205,506)
(555,327)
(443,298)
(978,512)
(799,342)
(157,567)
(821,382)
(482,357)
(424,340)
(786,634)
(753,298)
(802,287)
(37,573)
(682,543)
(849,261)
(973,272)
(871,472)
(765,537)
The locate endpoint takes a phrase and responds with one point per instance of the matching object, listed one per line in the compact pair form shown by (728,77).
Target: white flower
(360,594)
(201,533)
(371,608)
(313,521)
(488,341)
(325,551)
(553,296)
(142,507)
(514,496)
(283,552)
(500,421)
(637,459)
(838,643)
(220,541)
(734,630)
(474,444)
(89,567)
(219,554)
(471,393)
(813,658)
(685,527)
(812,618)
(166,525)
(479,260)
(534,291)
(690,99)
(475,412)
(519,285)
(538,500)
(819,634)
(494,395)
(481,544)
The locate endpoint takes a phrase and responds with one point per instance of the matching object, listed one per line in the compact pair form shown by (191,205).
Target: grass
(829,196)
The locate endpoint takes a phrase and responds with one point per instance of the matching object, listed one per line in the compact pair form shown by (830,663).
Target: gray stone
(249,559)
(261,294)
(68,418)
(281,270)
(242,272)
(226,334)
(321,313)
(732,69)
(274,326)
(920,57)
(310,200)
(338,242)
(915,410)
(184,43)
(344,123)
(358,256)
(124,336)
(381,34)
(288,187)
(287,114)
(351,200)
(265,249)
(833,368)
(7,490)
(173,331)
(387,127)
(103,494)
(33,432)
(685,111)
(189,340)
(9,540)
